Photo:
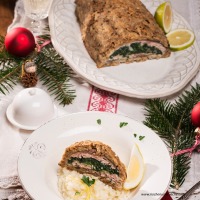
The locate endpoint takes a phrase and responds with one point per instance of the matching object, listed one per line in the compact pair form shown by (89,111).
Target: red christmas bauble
(20,42)
(195,115)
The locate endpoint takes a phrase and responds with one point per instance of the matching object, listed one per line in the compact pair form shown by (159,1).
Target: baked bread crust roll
(95,158)
(120,31)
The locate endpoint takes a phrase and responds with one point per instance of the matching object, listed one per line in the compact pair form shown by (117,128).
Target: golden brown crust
(99,150)
(109,24)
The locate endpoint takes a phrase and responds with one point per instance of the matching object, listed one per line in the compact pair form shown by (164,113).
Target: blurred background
(6,14)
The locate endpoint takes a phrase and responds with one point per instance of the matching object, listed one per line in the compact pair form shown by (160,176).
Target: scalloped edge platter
(149,79)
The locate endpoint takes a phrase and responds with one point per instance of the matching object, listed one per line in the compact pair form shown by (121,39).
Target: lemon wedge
(180,39)
(135,169)
(163,16)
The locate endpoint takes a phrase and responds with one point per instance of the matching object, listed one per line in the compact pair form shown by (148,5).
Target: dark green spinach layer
(136,48)
(96,165)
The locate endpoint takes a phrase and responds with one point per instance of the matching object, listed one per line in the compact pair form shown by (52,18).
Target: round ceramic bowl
(31,108)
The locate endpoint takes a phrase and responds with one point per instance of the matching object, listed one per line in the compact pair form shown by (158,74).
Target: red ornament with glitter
(20,42)
(195,115)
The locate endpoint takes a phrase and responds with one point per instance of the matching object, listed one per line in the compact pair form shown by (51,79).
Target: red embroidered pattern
(101,100)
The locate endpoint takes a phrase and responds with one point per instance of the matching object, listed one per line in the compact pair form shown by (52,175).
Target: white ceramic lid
(31,108)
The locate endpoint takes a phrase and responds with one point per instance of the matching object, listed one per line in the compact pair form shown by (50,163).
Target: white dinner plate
(39,157)
(149,79)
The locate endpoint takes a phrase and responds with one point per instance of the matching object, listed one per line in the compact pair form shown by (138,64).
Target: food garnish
(99,121)
(163,16)
(141,137)
(87,180)
(135,168)
(122,124)
(180,39)
(77,193)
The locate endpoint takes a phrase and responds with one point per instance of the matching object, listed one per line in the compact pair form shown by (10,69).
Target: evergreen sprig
(55,75)
(9,69)
(52,70)
(172,122)
(9,77)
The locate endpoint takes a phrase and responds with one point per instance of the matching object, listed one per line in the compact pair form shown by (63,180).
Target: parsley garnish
(141,137)
(123,124)
(99,121)
(87,180)
(77,193)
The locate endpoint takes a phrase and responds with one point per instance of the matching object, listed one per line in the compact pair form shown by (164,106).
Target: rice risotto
(71,187)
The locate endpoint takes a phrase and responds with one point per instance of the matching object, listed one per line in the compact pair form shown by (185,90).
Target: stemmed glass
(37,10)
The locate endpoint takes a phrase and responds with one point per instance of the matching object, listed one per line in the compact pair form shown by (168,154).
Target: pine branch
(53,71)
(9,76)
(9,69)
(55,75)
(172,123)
(160,112)
(184,105)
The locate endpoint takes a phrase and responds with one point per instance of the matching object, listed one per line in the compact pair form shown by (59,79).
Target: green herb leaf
(122,124)
(99,121)
(141,137)
(77,193)
(87,180)
(135,135)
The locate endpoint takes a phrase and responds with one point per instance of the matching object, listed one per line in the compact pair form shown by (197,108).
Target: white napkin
(10,144)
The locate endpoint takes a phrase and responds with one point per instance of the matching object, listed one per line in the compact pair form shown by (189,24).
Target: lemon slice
(135,169)
(180,39)
(163,16)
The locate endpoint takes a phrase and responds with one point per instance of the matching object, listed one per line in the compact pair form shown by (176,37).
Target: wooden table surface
(6,14)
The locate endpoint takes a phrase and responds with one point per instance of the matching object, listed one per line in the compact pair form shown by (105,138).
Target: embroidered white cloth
(88,98)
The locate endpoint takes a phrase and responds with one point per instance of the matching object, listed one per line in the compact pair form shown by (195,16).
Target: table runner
(88,98)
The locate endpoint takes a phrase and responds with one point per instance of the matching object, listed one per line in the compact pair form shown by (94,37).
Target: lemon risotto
(71,187)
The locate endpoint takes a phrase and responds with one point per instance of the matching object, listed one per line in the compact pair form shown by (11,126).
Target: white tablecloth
(12,138)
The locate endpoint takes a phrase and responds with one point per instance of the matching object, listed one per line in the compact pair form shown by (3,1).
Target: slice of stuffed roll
(95,158)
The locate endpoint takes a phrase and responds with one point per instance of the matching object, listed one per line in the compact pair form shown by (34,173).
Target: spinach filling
(135,48)
(96,165)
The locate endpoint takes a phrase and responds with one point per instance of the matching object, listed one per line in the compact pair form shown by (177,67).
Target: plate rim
(130,92)
(85,113)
